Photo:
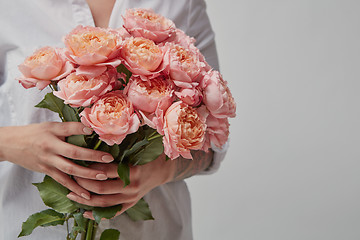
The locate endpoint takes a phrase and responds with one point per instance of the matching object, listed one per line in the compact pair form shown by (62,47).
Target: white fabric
(27,25)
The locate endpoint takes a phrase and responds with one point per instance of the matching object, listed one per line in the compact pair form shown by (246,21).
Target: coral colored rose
(43,66)
(93,46)
(190,96)
(184,129)
(146,95)
(183,40)
(217,96)
(217,130)
(123,32)
(82,91)
(142,56)
(183,65)
(146,23)
(112,117)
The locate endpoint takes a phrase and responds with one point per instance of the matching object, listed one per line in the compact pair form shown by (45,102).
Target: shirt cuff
(219,155)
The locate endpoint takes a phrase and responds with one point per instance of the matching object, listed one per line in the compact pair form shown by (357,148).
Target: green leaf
(70,114)
(140,211)
(75,230)
(105,212)
(54,194)
(122,69)
(133,149)
(80,220)
(124,173)
(78,140)
(115,150)
(83,207)
(148,131)
(150,152)
(52,103)
(110,234)
(104,147)
(44,218)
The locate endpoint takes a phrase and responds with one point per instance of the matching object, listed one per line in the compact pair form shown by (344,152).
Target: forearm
(184,168)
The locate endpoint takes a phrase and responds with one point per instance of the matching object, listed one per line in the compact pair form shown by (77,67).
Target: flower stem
(97,144)
(154,137)
(94,230)
(89,230)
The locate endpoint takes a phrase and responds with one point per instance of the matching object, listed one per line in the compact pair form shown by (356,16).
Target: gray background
(293,170)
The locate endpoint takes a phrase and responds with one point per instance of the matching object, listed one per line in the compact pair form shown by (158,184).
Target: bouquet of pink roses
(145,90)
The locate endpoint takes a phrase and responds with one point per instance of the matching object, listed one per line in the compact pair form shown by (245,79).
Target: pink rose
(217,96)
(123,32)
(190,96)
(217,130)
(142,57)
(183,65)
(183,40)
(146,23)
(82,90)
(184,129)
(43,66)
(112,117)
(93,46)
(146,95)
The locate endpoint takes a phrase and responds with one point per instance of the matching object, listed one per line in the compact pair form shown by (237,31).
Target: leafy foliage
(140,211)
(105,212)
(124,173)
(124,71)
(110,234)
(44,218)
(54,194)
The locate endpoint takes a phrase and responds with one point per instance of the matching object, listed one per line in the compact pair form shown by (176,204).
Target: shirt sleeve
(200,28)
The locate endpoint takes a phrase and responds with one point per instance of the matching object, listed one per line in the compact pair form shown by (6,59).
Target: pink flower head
(82,90)
(112,117)
(217,96)
(43,66)
(123,32)
(184,130)
(146,95)
(93,46)
(146,23)
(183,40)
(217,130)
(183,64)
(190,96)
(142,56)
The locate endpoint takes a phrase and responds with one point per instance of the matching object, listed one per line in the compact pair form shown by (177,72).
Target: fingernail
(101,176)
(87,130)
(86,196)
(107,158)
(71,196)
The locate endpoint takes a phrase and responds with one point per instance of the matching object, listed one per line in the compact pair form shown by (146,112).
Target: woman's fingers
(70,184)
(109,168)
(104,200)
(105,187)
(125,206)
(80,153)
(66,129)
(71,168)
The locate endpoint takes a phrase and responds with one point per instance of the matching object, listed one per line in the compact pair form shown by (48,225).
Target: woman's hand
(112,192)
(42,148)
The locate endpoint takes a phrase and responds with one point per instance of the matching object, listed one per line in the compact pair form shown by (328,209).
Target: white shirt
(27,25)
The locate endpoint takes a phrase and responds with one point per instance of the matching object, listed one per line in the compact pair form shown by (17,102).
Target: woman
(32,144)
